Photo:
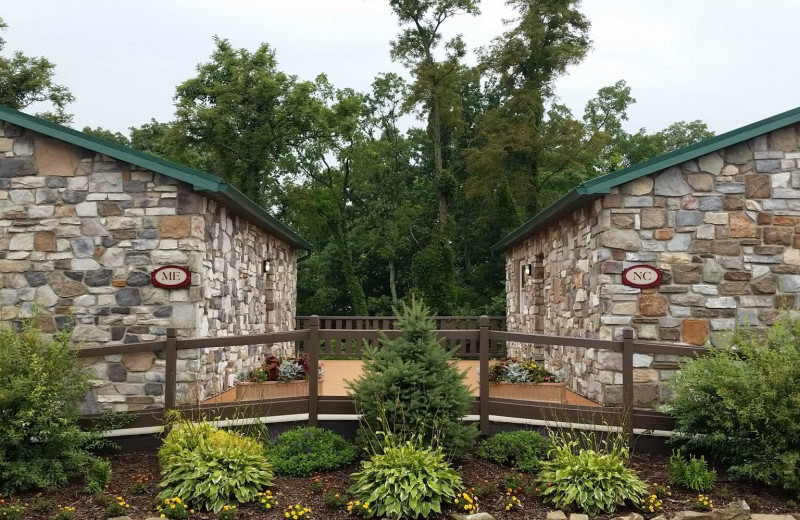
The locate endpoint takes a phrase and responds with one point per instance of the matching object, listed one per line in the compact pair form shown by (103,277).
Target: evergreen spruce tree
(412,385)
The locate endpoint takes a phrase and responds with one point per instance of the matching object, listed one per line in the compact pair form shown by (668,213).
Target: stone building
(720,219)
(83,224)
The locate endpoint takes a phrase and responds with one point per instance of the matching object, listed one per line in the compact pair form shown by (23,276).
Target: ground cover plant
(210,468)
(301,452)
(41,385)
(514,370)
(739,402)
(413,384)
(523,449)
(287,491)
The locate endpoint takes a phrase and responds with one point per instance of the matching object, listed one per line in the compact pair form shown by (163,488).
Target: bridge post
(627,384)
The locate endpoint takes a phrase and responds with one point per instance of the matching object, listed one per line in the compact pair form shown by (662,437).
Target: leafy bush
(208,467)
(414,384)
(739,403)
(692,474)
(592,480)
(304,451)
(523,449)
(406,481)
(41,385)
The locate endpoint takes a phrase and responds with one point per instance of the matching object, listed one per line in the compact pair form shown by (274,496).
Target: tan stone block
(653,305)
(6,144)
(175,226)
(645,375)
(54,157)
(198,227)
(785,221)
(624,308)
(664,234)
(64,211)
(742,226)
(44,241)
(641,186)
(138,362)
(694,332)
(118,283)
(14,266)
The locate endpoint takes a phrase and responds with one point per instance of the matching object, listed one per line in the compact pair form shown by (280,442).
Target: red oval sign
(171,277)
(641,276)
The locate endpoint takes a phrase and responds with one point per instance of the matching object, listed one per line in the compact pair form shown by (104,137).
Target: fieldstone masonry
(80,234)
(725,231)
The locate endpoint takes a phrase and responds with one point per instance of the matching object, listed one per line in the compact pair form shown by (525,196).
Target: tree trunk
(392,282)
(435,125)
(354,288)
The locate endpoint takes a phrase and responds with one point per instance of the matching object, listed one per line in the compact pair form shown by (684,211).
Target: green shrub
(406,481)
(739,403)
(690,474)
(208,467)
(304,451)
(41,385)
(414,384)
(591,480)
(523,449)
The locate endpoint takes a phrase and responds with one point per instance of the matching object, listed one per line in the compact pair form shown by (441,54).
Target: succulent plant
(516,373)
(290,370)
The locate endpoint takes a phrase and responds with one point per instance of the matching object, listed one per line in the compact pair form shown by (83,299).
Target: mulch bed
(651,468)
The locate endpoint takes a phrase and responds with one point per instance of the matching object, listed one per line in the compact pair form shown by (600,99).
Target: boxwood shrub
(301,452)
(523,449)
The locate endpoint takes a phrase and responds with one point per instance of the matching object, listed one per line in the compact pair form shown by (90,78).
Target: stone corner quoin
(81,233)
(724,229)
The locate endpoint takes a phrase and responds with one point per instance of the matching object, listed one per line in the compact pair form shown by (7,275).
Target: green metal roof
(210,185)
(599,186)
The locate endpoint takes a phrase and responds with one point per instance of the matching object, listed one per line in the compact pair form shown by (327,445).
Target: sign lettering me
(641,276)
(171,277)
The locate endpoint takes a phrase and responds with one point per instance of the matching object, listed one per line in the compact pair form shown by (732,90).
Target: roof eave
(594,188)
(570,201)
(258,215)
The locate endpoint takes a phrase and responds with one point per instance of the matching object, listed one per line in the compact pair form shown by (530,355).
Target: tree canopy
(402,189)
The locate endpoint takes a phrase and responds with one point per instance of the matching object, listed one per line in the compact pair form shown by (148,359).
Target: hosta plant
(406,481)
(588,479)
(207,467)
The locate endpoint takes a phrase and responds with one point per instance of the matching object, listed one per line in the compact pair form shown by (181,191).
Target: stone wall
(561,294)
(723,230)
(239,297)
(80,234)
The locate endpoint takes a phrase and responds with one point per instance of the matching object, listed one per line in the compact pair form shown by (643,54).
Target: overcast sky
(726,62)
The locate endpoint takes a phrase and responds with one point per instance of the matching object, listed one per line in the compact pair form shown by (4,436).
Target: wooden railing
(481,341)
(389,322)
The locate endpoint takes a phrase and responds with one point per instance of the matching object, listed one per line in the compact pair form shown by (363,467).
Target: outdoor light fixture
(528,270)
(267,267)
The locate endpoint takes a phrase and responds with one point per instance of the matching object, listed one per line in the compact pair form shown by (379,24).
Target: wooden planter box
(273,390)
(547,392)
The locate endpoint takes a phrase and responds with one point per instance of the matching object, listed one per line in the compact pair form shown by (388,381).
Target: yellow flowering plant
(511,501)
(228,512)
(175,509)
(296,512)
(65,513)
(359,508)
(652,504)
(266,500)
(703,503)
(466,502)
(118,507)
